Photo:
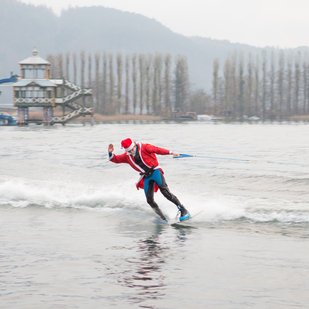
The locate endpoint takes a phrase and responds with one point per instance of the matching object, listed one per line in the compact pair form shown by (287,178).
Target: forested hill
(23,26)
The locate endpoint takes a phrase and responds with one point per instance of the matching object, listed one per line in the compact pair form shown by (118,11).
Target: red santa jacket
(147,154)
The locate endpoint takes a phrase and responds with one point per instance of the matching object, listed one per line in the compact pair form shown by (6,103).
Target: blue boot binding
(184,214)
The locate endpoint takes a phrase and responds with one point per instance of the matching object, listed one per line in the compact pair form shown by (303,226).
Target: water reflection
(145,272)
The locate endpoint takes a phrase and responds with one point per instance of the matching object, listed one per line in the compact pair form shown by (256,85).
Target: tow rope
(182,155)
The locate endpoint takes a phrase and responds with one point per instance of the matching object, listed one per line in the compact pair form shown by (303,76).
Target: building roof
(40,82)
(34,59)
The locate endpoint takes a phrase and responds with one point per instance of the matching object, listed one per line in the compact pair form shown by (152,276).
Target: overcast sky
(279,23)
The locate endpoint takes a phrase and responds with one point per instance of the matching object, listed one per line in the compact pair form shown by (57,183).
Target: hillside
(22,27)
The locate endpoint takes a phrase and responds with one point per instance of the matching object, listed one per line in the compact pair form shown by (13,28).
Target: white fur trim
(140,155)
(137,166)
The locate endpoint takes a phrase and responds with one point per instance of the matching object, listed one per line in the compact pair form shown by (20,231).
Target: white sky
(279,23)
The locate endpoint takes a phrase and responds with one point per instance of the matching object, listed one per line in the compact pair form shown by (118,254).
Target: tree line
(135,83)
(270,85)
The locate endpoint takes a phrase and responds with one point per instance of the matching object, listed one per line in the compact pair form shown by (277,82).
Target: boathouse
(35,88)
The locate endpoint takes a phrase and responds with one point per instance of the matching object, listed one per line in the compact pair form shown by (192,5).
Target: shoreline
(129,117)
(119,117)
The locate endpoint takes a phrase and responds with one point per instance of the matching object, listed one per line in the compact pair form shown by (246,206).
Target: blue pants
(156,177)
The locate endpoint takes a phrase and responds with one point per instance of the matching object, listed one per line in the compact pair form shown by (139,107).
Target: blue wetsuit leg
(156,177)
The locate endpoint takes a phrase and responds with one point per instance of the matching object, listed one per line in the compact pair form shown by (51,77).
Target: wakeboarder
(142,158)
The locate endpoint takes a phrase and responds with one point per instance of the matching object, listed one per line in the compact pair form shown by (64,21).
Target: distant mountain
(23,27)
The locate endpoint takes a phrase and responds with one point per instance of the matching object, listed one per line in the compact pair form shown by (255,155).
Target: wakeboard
(186,221)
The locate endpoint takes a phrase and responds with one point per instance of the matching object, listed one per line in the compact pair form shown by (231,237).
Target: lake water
(75,232)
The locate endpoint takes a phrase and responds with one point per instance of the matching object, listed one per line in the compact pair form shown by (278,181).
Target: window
(41,73)
(38,73)
(28,74)
(33,72)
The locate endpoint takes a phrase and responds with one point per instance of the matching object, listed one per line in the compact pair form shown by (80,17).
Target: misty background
(98,29)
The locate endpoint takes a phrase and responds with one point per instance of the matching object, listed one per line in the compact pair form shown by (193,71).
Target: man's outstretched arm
(159,150)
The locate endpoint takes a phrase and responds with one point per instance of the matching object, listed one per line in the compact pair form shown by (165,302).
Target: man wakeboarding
(142,158)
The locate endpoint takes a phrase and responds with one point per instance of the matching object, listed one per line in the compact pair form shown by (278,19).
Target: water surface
(75,233)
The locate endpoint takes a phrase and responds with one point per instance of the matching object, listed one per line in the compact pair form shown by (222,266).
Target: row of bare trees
(270,85)
(131,83)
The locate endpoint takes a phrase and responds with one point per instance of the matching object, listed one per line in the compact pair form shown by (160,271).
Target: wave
(18,194)
(242,209)
(122,199)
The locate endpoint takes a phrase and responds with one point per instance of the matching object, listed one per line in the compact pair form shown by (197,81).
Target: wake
(122,201)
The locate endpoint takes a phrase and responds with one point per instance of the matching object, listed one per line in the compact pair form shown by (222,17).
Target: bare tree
(82,56)
(67,65)
(241,86)
(234,83)
(181,83)
(281,84)
(82,76)
(60,65)
(159,64)
(89,70)
(74,67)
(200,101)
(142,81)
(89,74)
(157,87)
(289,85)
(305,82)
(51,59)
(256,85)
(134,80)
(104,84)
(127,102)
(264,83)
(149,75)
(297,84)
(227,87)
(97,81)
(111,85)
(272,113)
(167,84)
(119,78)
(249,86)
(215,83)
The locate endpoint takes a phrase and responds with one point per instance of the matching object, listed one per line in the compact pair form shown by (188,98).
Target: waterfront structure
(36,88)
(7,120)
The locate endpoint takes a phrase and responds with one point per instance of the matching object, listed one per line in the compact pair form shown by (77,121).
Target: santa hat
(127,144)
